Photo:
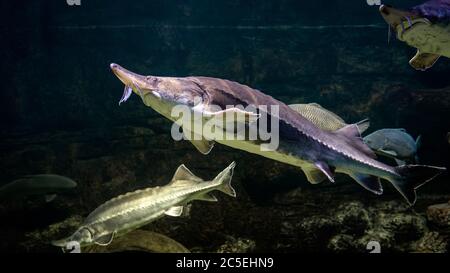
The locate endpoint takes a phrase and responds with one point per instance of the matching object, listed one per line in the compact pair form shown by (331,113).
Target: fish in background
(132,210)
(318,153)
(425,27)
(324,118)
(48,185)
(396,144)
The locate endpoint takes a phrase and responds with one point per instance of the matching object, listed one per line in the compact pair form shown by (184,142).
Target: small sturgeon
(425,27)
(317,152)
(132,210)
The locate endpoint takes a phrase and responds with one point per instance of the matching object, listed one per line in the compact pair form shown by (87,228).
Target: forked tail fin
(412,177)
(224,178)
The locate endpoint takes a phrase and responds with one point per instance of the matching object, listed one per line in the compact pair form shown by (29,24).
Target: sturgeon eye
(153,80)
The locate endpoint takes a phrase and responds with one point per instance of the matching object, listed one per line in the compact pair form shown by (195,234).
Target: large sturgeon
(425,27)
(317,152)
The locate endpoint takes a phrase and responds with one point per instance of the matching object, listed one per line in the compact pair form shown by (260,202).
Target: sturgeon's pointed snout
(395,17)
(127,77)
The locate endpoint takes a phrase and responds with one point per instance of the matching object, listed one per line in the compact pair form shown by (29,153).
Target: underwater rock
(140,240)
(314,231)
(40,239)
(237,245)
(385,238)
(353,218)
(439,214)
(431,242)
(404,227)
(342,243)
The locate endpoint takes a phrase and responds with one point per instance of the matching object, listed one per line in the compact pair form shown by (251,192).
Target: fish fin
(418,142)
(105,239)
(370,183)
(399,162)
(183,173)
(314,175)
(50,197)
(174,211)
(326,170)
(423,61)
(315,104)
(202,144)
(363,125)
(239,115)
(186,210)
(224,178)
(411,177)
(207,197)
(387,152)
(351,132)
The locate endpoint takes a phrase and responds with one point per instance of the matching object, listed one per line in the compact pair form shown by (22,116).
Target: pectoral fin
(207,197)
(105,239)
(387,153)
(203,145)
(174,211)
(423,61)
(326,170)
(399,162)
(371,183)
(237,114)
(314,176)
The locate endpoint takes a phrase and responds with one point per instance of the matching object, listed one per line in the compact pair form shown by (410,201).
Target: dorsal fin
(183,173)
(351,132)
(316,105)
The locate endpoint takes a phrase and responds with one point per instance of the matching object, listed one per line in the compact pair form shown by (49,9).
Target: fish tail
(224,180)
(411,177)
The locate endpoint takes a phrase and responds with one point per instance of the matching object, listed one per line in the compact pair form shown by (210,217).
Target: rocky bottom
(275,209)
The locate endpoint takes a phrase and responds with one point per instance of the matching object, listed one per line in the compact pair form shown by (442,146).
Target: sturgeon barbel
(132,210)
(317,152)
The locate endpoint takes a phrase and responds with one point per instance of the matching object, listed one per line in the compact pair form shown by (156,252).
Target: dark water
(59,103)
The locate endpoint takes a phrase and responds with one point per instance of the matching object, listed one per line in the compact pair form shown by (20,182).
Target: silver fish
(132,210)
(317,152)
(394,143)
(324,118)
(48,185)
